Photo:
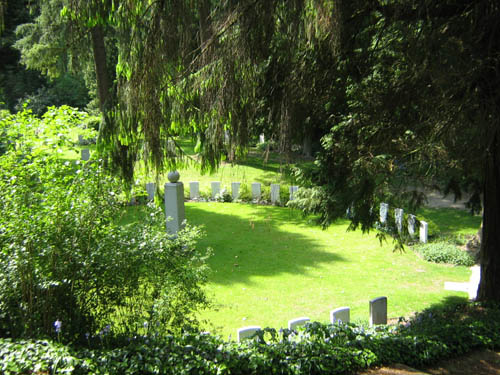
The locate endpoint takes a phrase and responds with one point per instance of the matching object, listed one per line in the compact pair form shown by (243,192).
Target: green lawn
(271,265)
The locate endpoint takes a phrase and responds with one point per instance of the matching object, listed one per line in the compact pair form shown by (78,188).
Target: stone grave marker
(384,209)
(256,190)
(151,189)
(194,190)
(262,138)
(171,148)
(293,190)
(398,216)
(275,193)
(85,154)
(378,311)
(247,332)
(342,314)
(235,190)
(174,203)
(294,323)
(215,188)
(424,231)
(412,219)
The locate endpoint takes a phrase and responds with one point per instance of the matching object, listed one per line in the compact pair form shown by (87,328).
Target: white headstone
(85,154)
(294,323)
(293,190)
(275,193)
(262,139)
(151,189)
(384,208)
(411,224)
(424,231)
(174,206)
(247,332)
(342,314)
(378,311)
(215,188)
(235,190)
(256,190)
(398,216)
(194,189)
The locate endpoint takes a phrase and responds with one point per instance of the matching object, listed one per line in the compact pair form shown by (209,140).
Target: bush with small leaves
(444,252)
(66,267)
(433,334)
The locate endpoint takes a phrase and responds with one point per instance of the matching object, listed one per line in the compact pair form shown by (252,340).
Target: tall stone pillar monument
(174,203)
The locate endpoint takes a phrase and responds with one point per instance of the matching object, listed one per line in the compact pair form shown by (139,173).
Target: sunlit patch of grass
(270,265)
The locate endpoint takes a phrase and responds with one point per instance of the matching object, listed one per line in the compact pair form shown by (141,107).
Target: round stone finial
(173,176)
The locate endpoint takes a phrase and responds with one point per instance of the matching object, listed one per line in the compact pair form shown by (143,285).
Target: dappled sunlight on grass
(452,220)
(270,265)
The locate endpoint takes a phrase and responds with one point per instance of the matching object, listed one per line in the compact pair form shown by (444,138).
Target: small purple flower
(145,324)
(57,326)
(106,329)
(87,335)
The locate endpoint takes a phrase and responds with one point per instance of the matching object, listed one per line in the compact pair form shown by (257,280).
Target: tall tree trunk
(489,286)
(101,69)
(121,157)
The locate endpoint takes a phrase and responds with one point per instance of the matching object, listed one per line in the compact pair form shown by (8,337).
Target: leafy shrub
(284,194)
(263,146)
(224,196)
(64,258)
(65,90)
(432,335)
(432,227)
(245,193)
(444,252)
(92,122)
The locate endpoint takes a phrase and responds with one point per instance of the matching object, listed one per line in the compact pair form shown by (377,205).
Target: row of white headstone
(398,216)
(378,315)
(194,190)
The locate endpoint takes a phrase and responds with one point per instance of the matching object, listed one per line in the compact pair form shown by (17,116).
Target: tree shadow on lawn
(256,246)
(449,301)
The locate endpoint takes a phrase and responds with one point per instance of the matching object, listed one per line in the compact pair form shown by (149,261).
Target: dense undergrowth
(68,269)
(434,334)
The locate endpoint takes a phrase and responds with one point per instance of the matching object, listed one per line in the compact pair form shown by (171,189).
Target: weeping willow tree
(221,72)
(406,92)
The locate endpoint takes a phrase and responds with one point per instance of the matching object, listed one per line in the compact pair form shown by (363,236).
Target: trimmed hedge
(322,349)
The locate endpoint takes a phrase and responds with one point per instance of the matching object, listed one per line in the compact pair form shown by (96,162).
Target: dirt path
(485,362)
(436,200)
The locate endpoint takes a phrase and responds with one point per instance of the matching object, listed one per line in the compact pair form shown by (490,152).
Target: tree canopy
(400,94)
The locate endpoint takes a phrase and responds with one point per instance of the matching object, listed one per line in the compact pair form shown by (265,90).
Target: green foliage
(65,90)
(245,193)
(224,196)
(432,228)
(434,334)
(64,258)
(444,252)
(92,122)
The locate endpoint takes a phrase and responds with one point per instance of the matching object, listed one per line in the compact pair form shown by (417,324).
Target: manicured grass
(271,265)
(452,221)
(247,170)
